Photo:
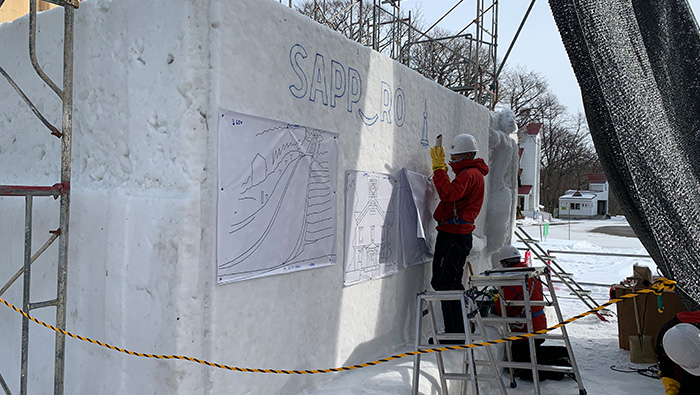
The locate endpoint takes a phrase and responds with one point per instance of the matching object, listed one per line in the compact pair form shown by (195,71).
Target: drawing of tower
(313,139)
(424,136)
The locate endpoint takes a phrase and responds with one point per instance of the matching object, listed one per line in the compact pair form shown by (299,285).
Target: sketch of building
(371,226)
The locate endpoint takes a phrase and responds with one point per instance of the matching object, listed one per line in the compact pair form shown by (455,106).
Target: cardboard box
(649,318)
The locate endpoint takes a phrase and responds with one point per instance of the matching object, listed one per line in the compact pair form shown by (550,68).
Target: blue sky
(538,48)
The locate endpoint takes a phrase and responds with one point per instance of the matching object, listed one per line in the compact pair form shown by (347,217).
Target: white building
(586,204)
(530,143)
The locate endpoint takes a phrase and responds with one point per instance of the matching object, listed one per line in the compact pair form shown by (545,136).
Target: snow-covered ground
(595,342)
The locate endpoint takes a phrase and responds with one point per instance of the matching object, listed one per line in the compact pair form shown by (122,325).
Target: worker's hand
(671,385)
(438,155)
(495,297)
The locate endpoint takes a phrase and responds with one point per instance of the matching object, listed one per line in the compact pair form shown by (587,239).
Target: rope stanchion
(657,288)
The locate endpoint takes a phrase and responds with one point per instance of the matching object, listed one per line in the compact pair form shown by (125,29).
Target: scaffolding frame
(60,190)
(382,26)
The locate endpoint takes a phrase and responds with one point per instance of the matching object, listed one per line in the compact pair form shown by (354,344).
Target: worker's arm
(451,191)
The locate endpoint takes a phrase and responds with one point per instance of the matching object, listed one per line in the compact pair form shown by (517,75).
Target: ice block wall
(150,80)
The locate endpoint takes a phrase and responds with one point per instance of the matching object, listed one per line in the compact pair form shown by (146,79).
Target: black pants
(520,350)
(451,251)
(546,355)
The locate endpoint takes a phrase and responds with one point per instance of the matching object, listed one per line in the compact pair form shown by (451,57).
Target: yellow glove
(438,155)
(671,385)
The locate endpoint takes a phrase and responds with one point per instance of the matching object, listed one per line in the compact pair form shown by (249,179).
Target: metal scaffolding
(465,62)
(60,190)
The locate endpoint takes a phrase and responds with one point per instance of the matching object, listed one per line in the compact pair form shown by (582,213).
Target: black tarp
(638,66)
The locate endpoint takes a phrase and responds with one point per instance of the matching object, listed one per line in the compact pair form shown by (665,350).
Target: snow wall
(150,79)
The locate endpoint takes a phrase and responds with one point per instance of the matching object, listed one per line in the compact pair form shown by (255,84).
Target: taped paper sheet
(277,197)
(419,199)
(371,226)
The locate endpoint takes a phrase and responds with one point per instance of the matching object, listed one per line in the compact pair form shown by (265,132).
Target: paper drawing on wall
(371,228)
(277,197)
(417,232)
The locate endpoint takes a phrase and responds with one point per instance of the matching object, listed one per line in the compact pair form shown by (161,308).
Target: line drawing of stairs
(320,203)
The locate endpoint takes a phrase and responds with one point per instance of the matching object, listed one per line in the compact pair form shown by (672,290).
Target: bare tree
(520,90)
(448,59)
(354,19)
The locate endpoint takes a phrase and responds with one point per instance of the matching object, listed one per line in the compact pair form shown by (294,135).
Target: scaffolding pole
(470,58)
(59,190)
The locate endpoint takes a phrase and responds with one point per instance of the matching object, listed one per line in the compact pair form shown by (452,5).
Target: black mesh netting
(638,65)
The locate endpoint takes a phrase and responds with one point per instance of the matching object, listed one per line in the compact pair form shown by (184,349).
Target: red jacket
(465,192)
(539,320)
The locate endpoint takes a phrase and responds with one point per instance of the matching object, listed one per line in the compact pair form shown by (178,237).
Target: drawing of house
(371,245)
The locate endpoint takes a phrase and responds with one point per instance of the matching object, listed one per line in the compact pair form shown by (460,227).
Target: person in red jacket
(678,352)
(460,203)
(510,257)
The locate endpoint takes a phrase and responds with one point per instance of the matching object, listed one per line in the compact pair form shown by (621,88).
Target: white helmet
(463,143)
(682,345)
(508,252)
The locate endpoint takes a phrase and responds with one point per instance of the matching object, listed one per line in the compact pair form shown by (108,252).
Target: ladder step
(478,337)
(451,336)
(509,320)
(548,336)
(563,274)
(521,303)
(434,346)
(46,303)
(547,257)
(467,376)
(581,292)
(443,295)
(524,240)
(528,366)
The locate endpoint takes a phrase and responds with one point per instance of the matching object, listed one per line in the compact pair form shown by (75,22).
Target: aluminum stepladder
(550,261)
(425,305)
(518,277)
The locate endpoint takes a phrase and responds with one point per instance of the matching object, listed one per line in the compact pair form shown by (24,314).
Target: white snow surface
(150,78)
(595,342)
